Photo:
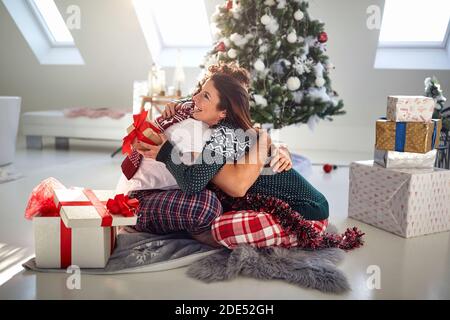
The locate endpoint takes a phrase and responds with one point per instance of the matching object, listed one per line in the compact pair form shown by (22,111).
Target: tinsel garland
(292,222)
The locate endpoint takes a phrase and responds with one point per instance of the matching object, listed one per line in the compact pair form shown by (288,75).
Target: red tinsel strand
(292,222)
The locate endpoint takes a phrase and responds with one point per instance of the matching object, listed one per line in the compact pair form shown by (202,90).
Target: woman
(223,103)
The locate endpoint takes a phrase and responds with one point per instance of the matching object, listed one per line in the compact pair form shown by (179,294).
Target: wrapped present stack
(408,137)
(76,226)
(400,191)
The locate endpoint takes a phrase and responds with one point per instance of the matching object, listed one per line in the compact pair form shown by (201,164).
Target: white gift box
(410,108)
(83,235)
(404,160)
(406,202)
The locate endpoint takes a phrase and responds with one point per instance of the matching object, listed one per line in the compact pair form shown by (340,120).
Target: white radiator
(9,124)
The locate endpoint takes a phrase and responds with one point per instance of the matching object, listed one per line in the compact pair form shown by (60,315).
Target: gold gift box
(148,133)
(418,135)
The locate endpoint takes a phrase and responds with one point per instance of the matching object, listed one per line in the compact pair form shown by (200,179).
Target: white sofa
(9,124)
(36,125)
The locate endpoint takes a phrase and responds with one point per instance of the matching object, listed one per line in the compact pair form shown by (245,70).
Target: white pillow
(188,136)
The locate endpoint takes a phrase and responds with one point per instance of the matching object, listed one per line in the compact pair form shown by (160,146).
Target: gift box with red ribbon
(84,233)
(142,130)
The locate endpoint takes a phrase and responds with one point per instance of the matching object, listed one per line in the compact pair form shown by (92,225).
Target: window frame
(33,32)
(45,28)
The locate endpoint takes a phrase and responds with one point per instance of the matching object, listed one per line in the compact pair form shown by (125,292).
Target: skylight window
(170,25)
(187,26)
(415,23)
(53,22)
(45,31)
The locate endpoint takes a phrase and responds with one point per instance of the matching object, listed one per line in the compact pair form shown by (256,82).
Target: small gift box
(416,137)
(410,108)
(406,202)
(142,130)
(400,160)
(84,232)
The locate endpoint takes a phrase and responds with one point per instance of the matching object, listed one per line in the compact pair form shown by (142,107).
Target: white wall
(115,53)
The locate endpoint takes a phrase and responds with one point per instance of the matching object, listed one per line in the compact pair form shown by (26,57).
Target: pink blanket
(94,113)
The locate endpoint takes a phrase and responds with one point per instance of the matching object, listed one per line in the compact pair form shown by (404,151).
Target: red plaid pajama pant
(258,229)
(163,212)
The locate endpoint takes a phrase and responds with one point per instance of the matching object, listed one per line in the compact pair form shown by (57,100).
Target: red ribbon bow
(123,205)
(140,124)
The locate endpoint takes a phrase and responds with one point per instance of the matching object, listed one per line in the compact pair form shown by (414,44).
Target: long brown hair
(234,98)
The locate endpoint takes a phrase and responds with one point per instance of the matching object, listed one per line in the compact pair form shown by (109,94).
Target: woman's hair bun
(233,70)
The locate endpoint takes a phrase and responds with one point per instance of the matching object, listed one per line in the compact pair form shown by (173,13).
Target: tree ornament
(269,2)
(328,167)
(259,65)
(320,82)
(266,19)
(292,37)
(260,100)
(323,37)
(232,53)
(293,83)
(229,4)
(298,15)
(220,47)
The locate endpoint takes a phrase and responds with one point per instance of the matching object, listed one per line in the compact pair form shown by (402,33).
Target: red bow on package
(123,205)
(140,124)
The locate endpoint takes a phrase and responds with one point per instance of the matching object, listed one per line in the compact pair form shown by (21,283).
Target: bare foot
(207,238)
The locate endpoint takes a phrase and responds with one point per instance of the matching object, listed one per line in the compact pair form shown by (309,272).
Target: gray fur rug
(308,269)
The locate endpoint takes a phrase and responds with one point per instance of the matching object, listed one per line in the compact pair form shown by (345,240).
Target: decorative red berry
(323,37)
(327,168)
(220,47)
(229,4)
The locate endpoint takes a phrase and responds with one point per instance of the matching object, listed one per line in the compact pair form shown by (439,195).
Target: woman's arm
(236,179)
(190,178)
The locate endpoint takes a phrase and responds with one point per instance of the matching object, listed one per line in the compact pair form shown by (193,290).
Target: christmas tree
(284,50)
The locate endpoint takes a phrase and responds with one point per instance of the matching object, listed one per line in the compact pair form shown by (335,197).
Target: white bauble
(259,65)
(298,15)
(226,42)
(293,83)
(292,37)
(266,19)
(260,100)
(232,53)
(238,40)
(269,2)
(320,82)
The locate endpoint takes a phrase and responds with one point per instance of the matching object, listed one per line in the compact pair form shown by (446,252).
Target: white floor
(417,268)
